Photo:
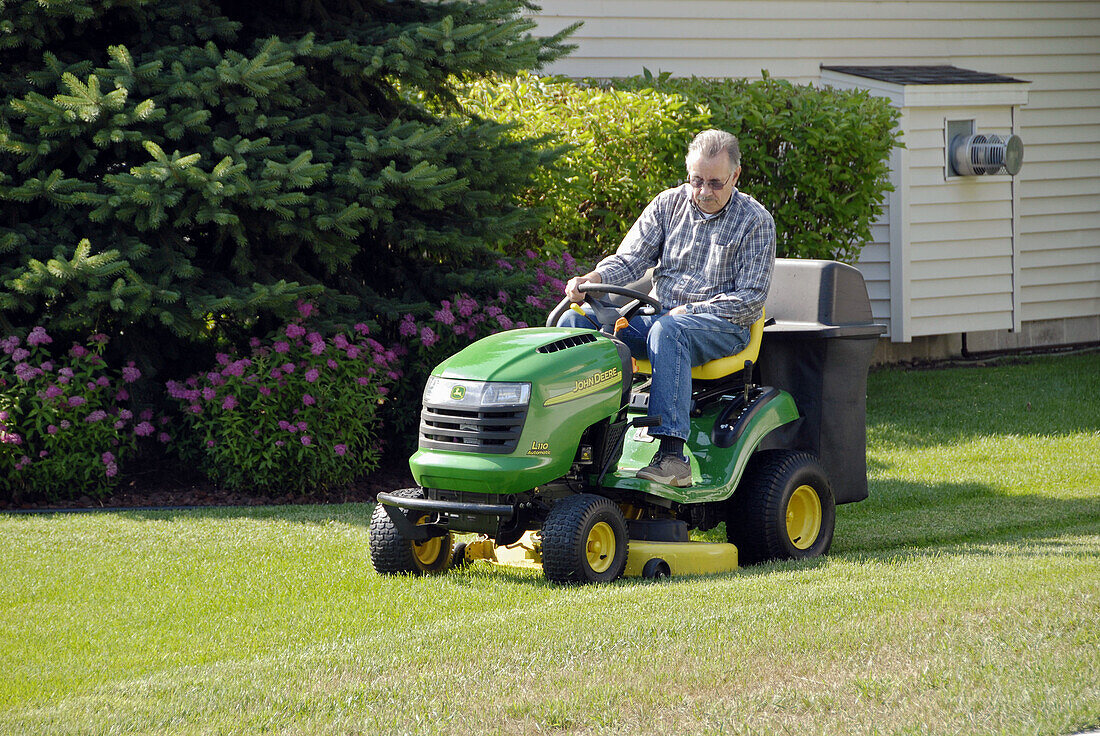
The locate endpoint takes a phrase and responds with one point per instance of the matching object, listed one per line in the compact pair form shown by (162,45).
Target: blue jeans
(673,344)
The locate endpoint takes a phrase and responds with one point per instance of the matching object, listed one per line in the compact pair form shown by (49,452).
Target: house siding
(969,263)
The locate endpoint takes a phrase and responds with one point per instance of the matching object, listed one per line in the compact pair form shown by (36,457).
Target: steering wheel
(606,312)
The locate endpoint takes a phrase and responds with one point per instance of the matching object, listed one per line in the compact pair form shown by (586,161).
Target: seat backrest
(722,367)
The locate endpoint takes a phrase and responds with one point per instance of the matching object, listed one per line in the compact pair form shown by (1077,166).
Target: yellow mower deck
(682,558)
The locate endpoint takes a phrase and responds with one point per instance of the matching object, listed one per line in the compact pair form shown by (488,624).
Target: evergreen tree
(173,169)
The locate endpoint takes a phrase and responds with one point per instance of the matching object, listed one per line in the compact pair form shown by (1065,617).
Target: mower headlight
(474,395)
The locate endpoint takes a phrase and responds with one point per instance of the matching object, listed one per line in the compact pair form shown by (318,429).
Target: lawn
(963,597)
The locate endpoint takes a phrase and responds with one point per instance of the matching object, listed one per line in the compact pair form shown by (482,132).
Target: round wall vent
(983,154)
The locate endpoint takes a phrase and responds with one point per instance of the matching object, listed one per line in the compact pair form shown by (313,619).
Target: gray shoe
(668,469)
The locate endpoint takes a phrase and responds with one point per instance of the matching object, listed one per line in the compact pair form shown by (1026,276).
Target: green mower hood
(507,413)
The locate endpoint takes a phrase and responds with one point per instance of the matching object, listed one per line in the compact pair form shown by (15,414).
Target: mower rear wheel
(391,553)
(782,510)
(584,540)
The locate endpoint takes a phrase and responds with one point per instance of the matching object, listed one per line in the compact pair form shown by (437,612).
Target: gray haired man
(714,252)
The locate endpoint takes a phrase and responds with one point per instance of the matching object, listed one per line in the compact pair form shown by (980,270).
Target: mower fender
(719,449)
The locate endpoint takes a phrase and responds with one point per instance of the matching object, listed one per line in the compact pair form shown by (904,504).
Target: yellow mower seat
(722,367)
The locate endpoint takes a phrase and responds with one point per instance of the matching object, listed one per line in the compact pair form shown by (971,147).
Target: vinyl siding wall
(980,255)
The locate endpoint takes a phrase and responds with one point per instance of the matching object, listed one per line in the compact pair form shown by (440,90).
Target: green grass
(963,597)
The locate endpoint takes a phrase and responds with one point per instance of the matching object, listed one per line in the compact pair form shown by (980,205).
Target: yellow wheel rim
(428,552)
(803,517)
(600,548)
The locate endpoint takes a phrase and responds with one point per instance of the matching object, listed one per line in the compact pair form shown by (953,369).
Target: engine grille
(495,432)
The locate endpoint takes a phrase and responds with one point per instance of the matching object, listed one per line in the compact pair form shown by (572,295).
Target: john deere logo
(458,393)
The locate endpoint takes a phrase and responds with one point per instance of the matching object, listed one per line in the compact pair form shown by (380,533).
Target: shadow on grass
(906,514)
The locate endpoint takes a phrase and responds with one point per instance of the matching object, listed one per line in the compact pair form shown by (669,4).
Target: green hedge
(817,158)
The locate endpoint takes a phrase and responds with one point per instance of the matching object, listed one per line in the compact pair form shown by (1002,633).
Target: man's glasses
(697,182)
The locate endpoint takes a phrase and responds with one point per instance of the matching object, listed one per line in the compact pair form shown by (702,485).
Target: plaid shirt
(722,265)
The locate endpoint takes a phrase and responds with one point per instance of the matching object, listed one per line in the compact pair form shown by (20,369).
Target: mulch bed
(171,486)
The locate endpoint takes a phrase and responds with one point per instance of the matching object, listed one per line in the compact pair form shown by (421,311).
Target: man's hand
(678,310)
(571,287)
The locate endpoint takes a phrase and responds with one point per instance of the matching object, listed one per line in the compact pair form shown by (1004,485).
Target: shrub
(816,158)
(297,414)
(66,428)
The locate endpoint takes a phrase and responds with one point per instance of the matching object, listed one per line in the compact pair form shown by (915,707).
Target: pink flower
(340,450)
(353,352)
(75,401)
(295,331)
(308,400)
(466,306)
(287,367)
(363,381)
(19,355)
(208,394)
(38,336)
(307,440)
(362,328)
(107,457)
(279,443)
(282,346)
(78,351)
(51,429)
(312,375)
(229,403)
(96,416)
(99,338)
(254,342)
(264,391)
(305,309)
(164,438)
(53,391)
(144,429)
(122,395)
(332,364)
(407,328)
(445,316)
(427,337)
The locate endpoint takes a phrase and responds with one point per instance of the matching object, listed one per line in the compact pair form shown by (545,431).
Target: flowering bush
(297,414)
(65,429)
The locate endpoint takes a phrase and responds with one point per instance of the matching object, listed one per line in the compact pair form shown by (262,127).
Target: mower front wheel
(584,540)
(783,509)
(392,553)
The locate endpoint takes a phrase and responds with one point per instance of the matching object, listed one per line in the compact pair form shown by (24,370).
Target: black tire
(584,540)
(458,557)
(763,520)
(392,554)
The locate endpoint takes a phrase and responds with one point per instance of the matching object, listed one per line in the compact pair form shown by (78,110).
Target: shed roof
(944,74)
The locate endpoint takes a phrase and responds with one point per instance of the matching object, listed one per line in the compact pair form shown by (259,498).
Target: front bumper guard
(420,533)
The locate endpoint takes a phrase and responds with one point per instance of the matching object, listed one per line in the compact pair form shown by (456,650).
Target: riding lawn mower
(530,439)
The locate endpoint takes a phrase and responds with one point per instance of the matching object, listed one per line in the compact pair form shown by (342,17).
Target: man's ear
(736,176)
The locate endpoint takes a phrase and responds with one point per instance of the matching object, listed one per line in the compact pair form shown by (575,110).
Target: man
(714,252)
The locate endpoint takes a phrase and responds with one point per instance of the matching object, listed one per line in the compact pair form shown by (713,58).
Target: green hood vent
(567,342)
